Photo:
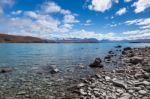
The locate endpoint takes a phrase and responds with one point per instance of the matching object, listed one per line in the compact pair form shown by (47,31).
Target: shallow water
(67,57)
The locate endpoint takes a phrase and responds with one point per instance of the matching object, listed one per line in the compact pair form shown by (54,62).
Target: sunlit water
(30,58)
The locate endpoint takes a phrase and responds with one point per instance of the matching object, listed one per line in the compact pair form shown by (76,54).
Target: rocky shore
(130,80)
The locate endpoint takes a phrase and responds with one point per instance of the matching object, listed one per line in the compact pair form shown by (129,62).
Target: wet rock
(54,70)
(81,65)
(111,52)
(118,46)
(5,70)
(97,63)
(119,83)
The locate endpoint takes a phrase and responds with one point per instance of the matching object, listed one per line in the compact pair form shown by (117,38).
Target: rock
(119,83)
(135,60)
(142,92)
(107,78)
(97,63)
(145,83)
(118,46)
(21,93)
(120,91)
(146,68)
(125,96)
(5,70)
(81,65)
(54,70)
(127,48)
(137,88)
(111,52)
(131,91)
(80,85)
(82,92)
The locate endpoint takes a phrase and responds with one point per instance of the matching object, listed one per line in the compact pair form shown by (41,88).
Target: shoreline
(132,81)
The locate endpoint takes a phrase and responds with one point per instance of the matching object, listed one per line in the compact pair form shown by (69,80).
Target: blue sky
(53,19)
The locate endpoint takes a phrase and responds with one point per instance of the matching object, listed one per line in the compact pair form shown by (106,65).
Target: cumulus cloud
(121,11)
(40,22)
(101,5)
(141,5)
(51,7)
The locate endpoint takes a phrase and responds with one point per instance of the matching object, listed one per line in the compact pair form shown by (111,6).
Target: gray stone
(97,63)
(107,78)
(82,92)
(136,60)
(5,70)
(54,70)
(120,83)
(80,85)
(142,92)
(125,96)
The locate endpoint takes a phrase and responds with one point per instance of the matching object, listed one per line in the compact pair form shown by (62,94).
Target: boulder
(97,63)
(127,48)
(5,70)
(54,70)
(118,46)
(135,60)
(146,68)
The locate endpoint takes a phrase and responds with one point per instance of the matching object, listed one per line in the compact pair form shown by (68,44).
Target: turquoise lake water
(67,57)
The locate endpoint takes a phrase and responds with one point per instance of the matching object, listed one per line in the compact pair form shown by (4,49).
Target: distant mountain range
(6,38)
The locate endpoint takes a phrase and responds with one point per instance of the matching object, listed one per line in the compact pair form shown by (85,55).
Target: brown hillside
(5,38)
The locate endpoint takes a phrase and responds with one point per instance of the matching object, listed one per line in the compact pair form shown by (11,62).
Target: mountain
(78,40)
(140,41)
(6,38)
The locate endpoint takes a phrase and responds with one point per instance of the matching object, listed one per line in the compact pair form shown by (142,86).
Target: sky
(64,19)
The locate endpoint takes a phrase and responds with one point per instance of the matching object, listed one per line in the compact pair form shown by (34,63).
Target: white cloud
(141,5)
(17,12)
(100,5)
(31,14)
(70,19)
(127,0)
(51,7)
(143,23)
(88,22)
(121,11)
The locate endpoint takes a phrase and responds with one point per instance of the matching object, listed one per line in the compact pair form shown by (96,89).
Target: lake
(66,57)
